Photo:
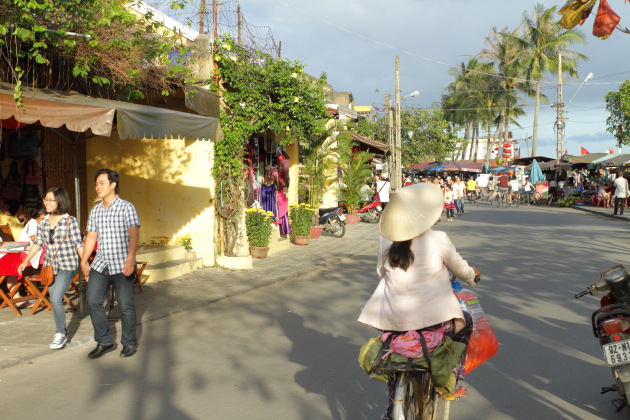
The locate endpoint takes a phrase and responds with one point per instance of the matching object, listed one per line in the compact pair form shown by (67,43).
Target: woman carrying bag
(61,234)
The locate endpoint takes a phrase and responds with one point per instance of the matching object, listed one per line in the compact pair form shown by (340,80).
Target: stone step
(169,269)
(157,254)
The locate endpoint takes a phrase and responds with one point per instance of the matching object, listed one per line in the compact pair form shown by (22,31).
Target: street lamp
(589,77)
(560,119)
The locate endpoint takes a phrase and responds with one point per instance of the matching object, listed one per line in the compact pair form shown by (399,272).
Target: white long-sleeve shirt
(421,296)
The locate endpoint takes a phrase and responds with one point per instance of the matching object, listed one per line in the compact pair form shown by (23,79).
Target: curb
(601,213)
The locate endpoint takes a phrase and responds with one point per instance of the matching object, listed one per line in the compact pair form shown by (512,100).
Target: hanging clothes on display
(268,197)
(283,213)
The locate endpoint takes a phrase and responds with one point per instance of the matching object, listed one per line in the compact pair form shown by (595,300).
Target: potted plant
(186,242)
(354,172)
(258,228)
(300,219)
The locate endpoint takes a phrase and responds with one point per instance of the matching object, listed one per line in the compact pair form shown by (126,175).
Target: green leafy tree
(261,93)
(86,45)
(618,105)
(425,136)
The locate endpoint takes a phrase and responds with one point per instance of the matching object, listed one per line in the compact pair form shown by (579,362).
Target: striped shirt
(112,226)
(64,250)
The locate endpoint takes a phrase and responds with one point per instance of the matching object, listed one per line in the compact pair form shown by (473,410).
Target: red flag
(610,151)
(583,151)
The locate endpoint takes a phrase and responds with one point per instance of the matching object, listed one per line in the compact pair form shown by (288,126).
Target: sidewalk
(24,338)
(607,212)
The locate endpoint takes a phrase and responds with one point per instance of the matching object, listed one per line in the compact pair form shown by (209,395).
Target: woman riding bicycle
(413,265)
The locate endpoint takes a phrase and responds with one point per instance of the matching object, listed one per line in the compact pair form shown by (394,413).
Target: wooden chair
(6,233)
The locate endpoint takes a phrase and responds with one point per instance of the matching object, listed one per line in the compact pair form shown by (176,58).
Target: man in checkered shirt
(113,225)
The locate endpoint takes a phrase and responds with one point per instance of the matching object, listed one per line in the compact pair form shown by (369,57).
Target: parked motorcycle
(371,212)
(333,220)
(611,325)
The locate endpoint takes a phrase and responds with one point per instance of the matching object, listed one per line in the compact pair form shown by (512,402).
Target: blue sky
(355,42)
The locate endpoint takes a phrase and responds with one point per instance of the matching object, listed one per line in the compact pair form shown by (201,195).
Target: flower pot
(316,232)
(258,251)
(352,219)
(192,255)
(301,240)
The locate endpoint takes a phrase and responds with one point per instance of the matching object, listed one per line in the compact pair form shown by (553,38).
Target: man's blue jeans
(57,290)
(96,294)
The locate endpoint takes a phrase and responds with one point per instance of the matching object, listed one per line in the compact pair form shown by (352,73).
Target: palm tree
(502,50)
(541,42)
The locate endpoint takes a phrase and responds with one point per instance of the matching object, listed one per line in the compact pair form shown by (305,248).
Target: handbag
(47,274)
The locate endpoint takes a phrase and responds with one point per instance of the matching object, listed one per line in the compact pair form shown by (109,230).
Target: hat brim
(411,211)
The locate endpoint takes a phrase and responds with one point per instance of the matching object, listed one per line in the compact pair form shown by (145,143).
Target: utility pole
(559,115)
(202,15)
(397,175)
(240,23)
(390,133)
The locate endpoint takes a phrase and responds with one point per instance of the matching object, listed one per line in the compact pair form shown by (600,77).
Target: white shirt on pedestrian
(621,187)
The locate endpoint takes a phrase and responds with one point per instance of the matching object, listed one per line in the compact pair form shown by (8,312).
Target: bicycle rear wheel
(415,398)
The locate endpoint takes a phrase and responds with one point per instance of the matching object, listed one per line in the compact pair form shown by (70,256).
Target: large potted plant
(354,172)
(258,228)
(300,219)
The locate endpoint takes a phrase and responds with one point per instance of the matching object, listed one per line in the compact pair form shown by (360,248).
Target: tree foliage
(425,136)
(354,170)
(85,45)
(260,94)
(618,105)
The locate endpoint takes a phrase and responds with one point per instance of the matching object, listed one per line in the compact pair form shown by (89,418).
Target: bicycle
(501,198)
(414,394)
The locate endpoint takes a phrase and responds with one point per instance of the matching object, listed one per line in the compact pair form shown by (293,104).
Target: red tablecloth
(10,261)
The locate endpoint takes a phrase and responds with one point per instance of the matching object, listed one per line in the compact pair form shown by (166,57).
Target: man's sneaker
(59,341)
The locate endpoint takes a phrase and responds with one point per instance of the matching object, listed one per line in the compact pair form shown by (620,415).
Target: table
(9,262)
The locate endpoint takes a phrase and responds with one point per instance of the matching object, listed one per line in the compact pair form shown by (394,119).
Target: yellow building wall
(168,181)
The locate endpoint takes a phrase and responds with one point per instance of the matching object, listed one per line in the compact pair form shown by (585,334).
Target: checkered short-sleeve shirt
(112,225)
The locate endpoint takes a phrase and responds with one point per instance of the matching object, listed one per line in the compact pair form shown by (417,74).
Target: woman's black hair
(400,255)
(63,200)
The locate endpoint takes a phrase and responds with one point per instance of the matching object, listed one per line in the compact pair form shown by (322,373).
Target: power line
(391,47)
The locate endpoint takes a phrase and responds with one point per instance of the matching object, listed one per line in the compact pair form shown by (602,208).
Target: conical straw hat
(411,212)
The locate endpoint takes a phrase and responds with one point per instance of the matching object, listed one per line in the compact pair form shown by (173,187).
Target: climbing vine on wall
(262,93)
(95,47)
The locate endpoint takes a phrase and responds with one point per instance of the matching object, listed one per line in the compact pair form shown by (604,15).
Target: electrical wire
(391,47)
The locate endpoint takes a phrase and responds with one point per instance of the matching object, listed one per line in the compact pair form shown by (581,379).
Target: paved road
(288,351)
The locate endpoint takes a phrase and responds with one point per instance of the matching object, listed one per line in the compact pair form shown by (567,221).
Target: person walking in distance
(113,224)
(621,193)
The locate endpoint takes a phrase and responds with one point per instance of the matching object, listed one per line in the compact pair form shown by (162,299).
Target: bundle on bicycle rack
(378,359)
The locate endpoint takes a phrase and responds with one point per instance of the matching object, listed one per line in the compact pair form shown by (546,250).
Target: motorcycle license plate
(617,353)
(379,208)
(342,217)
